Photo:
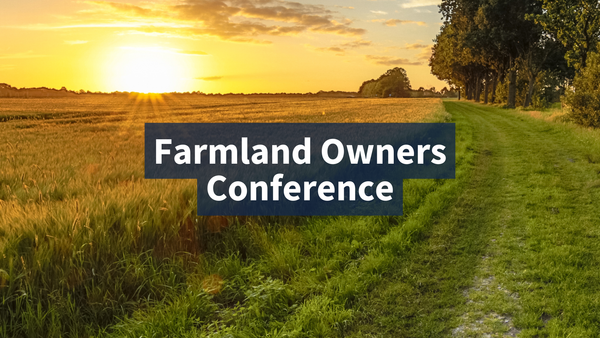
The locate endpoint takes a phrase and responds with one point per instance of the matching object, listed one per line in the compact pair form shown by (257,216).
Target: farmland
(89,247)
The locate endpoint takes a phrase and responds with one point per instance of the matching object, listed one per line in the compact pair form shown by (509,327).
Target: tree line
(522,53)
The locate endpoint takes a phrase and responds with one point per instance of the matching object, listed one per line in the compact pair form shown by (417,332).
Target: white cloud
(379,12)
(420,3)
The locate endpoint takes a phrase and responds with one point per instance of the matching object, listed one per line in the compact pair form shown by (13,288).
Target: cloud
(185,33)
(391,61)
(231,20)
(127,8)
(209,78)
(416,46)
(75,42)
(425,54)
(395,22)
(337,50)
(344,7)
(379,12)
(420,3)
(357,44)
(341,49)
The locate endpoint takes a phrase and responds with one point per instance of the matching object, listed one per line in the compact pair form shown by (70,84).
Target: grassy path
(516,253)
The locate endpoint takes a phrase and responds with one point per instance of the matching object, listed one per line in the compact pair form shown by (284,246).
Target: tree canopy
(575,23)
(393,83)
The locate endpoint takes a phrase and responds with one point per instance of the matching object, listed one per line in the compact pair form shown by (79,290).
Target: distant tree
(394,83)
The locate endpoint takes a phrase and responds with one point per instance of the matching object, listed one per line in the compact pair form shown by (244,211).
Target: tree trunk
(469,91)
(477,89)
(494,87)
(459,93)
(529,96)
(512,85)
(486,90)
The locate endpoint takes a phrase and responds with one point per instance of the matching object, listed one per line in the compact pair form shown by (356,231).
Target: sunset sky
(239,46)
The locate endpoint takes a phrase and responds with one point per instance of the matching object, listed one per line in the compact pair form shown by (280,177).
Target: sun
(148,70)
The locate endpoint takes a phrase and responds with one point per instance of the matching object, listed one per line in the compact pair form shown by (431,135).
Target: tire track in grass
(489,304)
(423,296)
(516,253)
(550,253)
(546,252)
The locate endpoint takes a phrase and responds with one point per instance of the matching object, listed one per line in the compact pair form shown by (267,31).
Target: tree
(394,83)
(546,55)
(446,62)
(506,26)
(584,102)
(480,43)
(575,23)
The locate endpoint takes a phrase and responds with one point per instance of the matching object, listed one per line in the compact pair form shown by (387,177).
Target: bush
(539,101)
(584,101)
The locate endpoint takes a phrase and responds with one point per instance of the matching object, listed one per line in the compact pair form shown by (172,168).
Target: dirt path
(517,254)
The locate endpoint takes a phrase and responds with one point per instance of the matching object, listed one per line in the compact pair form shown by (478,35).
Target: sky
(215,46)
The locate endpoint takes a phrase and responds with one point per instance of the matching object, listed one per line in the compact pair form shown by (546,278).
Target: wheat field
(88,247)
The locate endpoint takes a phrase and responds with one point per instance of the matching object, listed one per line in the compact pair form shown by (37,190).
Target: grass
(90,248)
(526,224)
(554,113)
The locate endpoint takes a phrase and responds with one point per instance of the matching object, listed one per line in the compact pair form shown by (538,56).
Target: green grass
(90,249)
(527,221)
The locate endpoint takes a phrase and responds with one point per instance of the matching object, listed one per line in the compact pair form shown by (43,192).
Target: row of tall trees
(513,51)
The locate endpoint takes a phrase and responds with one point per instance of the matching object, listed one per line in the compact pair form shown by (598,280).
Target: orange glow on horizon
(248,47)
